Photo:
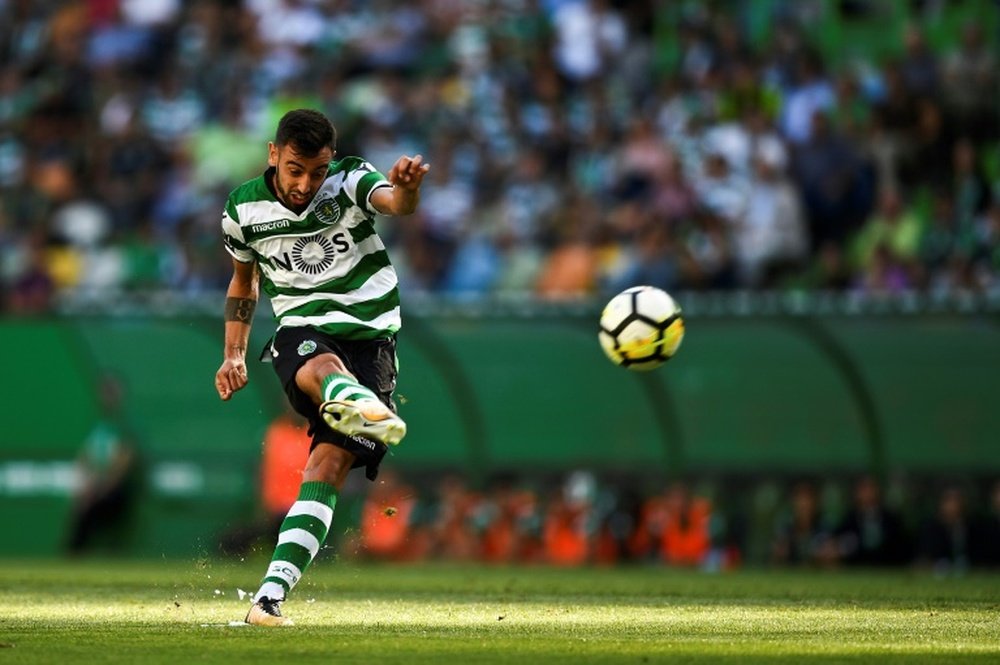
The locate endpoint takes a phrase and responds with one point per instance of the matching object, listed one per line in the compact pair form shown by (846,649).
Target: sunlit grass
(173,612)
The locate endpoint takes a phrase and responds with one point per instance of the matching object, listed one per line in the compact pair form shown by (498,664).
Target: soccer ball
(641,328)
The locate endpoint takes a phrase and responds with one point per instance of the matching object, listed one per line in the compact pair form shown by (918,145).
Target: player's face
(297,178)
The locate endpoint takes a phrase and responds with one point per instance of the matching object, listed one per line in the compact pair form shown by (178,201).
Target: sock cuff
(330,378)
(317,490)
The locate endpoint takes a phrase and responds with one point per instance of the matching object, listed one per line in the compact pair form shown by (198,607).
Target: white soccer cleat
(267,612)
(367,417)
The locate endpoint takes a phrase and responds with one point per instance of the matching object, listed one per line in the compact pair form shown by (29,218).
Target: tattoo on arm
(240,309)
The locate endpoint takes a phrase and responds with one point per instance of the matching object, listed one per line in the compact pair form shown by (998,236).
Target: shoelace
(272,607)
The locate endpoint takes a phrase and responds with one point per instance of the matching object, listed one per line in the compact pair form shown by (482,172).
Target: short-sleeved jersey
(325,268)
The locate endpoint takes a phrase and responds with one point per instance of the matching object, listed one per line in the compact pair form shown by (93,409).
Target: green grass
(178,613)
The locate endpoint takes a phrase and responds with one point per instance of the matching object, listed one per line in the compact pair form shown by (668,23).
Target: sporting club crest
(327,210)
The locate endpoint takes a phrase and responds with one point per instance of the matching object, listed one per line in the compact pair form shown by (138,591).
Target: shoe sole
(347,418)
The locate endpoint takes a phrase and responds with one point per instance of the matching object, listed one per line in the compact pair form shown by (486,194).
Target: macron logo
(367,443)
(271,226)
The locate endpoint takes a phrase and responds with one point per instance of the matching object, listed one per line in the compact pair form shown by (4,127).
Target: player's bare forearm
(405,201)
(239,317)
(241,301)
(237,336)
(406,176)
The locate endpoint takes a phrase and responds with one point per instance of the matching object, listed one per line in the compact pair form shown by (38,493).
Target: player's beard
(286,196)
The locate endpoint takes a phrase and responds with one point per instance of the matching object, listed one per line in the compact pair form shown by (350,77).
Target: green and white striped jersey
(325,268)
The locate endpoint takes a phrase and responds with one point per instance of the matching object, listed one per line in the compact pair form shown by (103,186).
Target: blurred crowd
(578,146)
(579,520)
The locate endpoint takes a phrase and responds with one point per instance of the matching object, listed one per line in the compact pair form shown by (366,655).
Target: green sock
(339,387)
(302,533)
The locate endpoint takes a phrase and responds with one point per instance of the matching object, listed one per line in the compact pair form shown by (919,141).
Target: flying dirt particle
(390,511)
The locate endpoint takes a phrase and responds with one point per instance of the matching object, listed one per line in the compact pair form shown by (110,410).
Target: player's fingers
(222,387)
(237,378)
(414,165)
(418,175)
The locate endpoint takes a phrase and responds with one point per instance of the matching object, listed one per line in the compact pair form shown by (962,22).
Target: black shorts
(372,362)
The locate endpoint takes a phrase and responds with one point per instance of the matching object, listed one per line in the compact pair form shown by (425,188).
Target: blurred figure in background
(285,451)
(944,543)
(801,537)
(986,533)
(686,538)
(674,527)
(108,469)
(512,529)
(569,526)
(771,237)
(871,533)
(386,517)
(452,528)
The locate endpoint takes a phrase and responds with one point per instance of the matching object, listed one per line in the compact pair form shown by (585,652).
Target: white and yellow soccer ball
(641,328)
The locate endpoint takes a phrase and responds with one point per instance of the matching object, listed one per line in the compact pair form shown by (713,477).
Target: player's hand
(408,172)
(232,376)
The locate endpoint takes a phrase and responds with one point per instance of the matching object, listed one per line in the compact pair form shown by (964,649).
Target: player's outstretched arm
(241,301)
(406,176)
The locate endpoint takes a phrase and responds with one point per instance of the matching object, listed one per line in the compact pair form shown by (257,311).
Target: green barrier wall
(745,396)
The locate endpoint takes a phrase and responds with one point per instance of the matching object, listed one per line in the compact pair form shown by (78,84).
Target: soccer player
(303,231)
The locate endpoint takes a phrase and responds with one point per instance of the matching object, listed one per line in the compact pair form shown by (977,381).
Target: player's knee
(310,376)
(326,364)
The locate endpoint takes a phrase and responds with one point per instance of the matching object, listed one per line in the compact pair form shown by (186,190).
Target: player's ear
(272,154)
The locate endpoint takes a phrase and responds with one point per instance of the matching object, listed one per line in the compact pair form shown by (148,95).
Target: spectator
(967,70)
(894,230)
(770,239)
(512,533)
(833,181)
(151,109)
(985,542)
(944,537)
(871,533)
(452,529)
(386,519)
(685,539)
(674,527)
(108,472)
(810,95)
(569,524)
(284,455)
(802,537)
(32,290)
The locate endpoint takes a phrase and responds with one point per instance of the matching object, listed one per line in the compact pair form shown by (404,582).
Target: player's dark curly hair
(307,130)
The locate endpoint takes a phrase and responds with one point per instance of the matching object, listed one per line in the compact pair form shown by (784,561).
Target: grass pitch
(180,612)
